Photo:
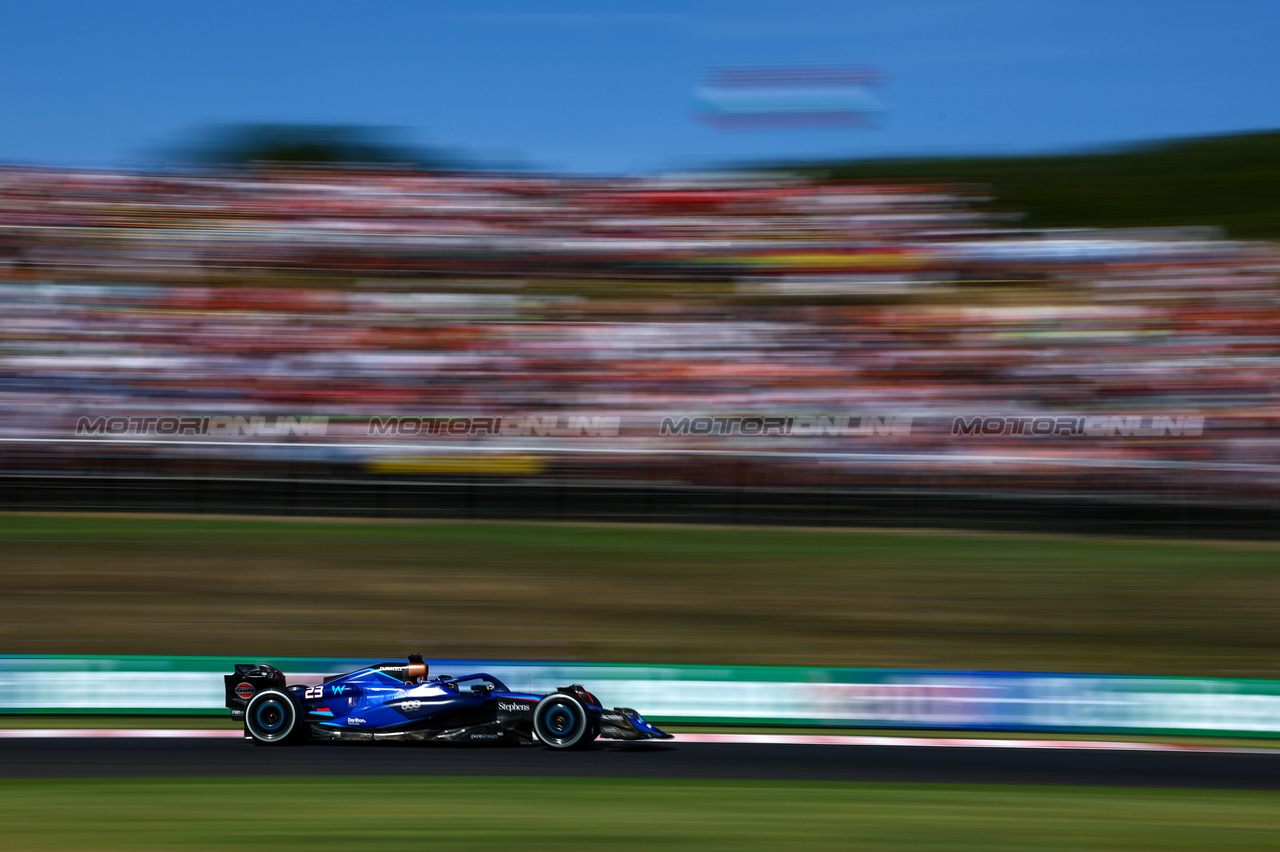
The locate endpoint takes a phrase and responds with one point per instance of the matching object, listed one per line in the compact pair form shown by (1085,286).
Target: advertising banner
(878,698)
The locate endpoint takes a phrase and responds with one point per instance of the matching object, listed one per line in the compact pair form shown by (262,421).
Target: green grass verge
(600,593)
(567,814)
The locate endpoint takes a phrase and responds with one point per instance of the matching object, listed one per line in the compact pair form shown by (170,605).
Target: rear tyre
(272,717)
(560,721)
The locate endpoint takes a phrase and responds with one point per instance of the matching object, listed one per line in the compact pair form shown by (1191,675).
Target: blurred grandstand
(352,294)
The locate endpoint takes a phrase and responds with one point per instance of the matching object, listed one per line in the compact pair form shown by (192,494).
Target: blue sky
(607,86)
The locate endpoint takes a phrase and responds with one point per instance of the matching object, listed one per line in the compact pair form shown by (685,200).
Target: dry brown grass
(636,594)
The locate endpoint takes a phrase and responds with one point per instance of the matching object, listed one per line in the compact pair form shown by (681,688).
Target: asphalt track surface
(191,757)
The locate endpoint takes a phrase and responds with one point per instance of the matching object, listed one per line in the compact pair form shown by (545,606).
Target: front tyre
(272,717)
(560,721)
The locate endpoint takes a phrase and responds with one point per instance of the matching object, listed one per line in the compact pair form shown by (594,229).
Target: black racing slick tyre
(560,721)
(272,718)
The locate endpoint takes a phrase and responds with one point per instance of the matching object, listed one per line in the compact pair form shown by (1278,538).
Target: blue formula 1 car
(397,701)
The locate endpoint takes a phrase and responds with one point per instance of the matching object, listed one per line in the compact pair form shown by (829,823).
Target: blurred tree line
(323,145)
(1232,182)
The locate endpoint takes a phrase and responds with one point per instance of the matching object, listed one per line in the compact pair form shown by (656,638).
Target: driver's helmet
(416,671)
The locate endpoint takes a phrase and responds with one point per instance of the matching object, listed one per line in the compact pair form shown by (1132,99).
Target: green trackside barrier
(766,695)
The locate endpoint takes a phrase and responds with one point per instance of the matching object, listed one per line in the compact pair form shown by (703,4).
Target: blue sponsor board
(877,698)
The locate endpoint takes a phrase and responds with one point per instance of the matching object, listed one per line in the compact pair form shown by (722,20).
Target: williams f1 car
(398,701)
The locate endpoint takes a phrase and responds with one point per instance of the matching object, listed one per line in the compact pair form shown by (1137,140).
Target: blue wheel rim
(562,720)
(270,716)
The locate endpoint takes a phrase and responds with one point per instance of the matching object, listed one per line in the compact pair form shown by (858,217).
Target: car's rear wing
(250,679)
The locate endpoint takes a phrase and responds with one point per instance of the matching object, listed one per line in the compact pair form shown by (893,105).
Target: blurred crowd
(359,294)
(203,227)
